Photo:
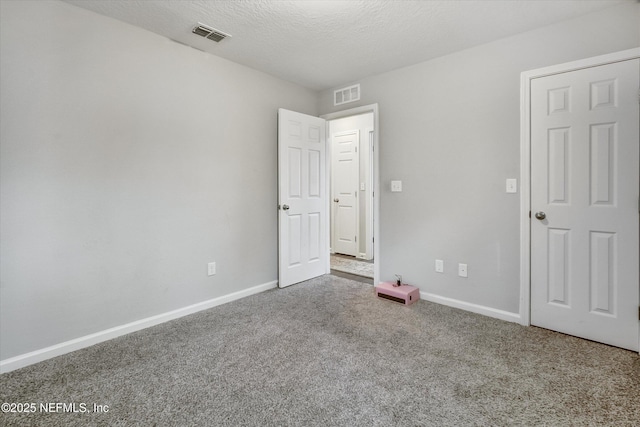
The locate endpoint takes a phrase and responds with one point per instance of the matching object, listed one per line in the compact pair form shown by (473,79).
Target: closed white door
(345,173)
(302,198)
(584,200)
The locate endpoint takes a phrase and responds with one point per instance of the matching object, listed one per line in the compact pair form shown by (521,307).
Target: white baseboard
(474,308)
(27,359)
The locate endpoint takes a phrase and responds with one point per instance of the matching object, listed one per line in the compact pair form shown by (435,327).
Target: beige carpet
(327,352)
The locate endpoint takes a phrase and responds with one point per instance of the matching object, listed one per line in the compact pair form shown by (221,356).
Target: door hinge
(355,194)
(529,214)
(355,238)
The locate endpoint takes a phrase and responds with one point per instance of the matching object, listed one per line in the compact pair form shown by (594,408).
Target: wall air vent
(210,33)
(346,94)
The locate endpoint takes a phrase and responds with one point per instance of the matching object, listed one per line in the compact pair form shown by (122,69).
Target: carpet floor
(328,352)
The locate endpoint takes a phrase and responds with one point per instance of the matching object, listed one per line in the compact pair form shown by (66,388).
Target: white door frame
(525,161)
(372,108)
(369,217)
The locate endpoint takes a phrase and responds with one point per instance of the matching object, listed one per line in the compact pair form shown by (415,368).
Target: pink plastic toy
(405,294)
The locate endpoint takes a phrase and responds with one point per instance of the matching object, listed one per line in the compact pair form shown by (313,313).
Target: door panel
(602,281)
(302,195)
(584,177)
(558,166)
(345,173)
(558,280)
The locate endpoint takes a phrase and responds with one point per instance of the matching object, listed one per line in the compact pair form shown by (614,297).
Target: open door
(302,198)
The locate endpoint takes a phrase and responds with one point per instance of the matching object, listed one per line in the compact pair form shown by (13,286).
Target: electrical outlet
(462,270)
(211,268)
(439,266)
(396,186)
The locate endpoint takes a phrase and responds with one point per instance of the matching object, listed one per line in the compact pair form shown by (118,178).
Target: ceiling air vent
(210,33)
(346,94)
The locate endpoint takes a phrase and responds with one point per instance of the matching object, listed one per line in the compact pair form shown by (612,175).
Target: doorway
(303,195)
(351,142)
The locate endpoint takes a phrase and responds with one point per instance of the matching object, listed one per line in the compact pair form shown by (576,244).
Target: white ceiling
(322,44)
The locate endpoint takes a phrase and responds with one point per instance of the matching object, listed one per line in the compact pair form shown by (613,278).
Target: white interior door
(584,202)
(345,175)
(302,198)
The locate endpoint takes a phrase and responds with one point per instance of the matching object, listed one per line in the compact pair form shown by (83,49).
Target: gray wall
(128,162)
(450,130)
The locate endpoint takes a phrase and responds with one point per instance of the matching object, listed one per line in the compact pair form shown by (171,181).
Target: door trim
(369,219)
(371,108)
(525,161)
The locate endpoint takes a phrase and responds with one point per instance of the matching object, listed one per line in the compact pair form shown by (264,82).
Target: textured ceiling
(322,44)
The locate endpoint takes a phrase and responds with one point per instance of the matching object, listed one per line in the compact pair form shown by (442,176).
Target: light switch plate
(396,186)
(512,185)
(439,266)
(462,270)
